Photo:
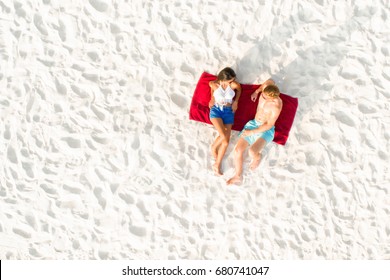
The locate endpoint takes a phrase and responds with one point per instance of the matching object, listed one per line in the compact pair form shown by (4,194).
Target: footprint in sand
(367,109)
(33,252)
(11,155)
(79,91)
(101,115)
(40,25)
(142,181)
(21,231)
(115,29)
(310,193)
(128,198)
(99,5)
(7,133)
(342,117)
(141,206)
(179,100)
(31,221)
(98,194)
(28,169)
(48,190)
(277,230)
(72,142)
(148,86)
(119,43)
(188,69)
(19,10)
(94,56)
(157,159)
(61,88)
(348,74)
(137,230)
(91,76)
(62,31)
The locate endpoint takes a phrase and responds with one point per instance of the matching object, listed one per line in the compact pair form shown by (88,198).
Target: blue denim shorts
(223,112)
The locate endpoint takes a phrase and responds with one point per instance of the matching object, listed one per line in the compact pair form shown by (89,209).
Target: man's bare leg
(255,162)
(238,161)
(255,153)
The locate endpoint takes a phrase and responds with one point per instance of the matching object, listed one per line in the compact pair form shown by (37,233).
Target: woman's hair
(226,74)
(272,91)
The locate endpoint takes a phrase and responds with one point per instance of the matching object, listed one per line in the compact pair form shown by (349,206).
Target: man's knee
(254,152)
(239,150)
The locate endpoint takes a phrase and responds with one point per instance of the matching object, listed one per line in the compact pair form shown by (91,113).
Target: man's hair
(272,91)
(226,74)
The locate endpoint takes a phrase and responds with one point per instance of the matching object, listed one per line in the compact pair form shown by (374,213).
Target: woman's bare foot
(234,179)
(255,162)
(216,170)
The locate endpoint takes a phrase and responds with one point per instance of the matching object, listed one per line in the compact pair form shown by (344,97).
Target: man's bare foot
(234,179)
(255,162)
(216,170)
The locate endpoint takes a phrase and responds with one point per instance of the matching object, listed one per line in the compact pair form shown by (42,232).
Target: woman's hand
(235,106)
(211,104)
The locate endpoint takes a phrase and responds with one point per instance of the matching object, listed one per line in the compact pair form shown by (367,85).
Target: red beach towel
(199,109)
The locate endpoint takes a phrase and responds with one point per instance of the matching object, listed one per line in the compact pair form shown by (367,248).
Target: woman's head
(226,74)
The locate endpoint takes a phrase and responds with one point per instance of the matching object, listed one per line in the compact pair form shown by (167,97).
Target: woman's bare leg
(224,135)
(215,146)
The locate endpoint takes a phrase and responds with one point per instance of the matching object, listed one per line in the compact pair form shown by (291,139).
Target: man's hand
(247,132)
(255,94)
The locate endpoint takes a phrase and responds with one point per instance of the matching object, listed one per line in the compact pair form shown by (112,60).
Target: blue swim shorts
(223,112)
(267,135)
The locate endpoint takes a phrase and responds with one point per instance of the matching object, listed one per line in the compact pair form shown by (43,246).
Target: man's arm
(275,112)
(255,94)
(264,127)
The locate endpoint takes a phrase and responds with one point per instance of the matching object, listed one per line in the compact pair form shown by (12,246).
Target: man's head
(271,91)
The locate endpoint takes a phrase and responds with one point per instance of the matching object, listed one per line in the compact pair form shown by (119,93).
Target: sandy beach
(99,159)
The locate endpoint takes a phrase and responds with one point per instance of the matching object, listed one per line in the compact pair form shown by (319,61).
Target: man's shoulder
(274,105)
(280,102)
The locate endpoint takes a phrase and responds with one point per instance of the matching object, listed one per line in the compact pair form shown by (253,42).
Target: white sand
(100,161)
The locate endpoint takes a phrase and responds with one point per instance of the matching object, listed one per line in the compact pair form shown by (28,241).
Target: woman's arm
(237,87)
(212,100)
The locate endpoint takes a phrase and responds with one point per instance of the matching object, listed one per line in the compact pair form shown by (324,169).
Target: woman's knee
(225,141)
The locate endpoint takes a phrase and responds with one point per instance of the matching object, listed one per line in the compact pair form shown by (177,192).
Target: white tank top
(223,97)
